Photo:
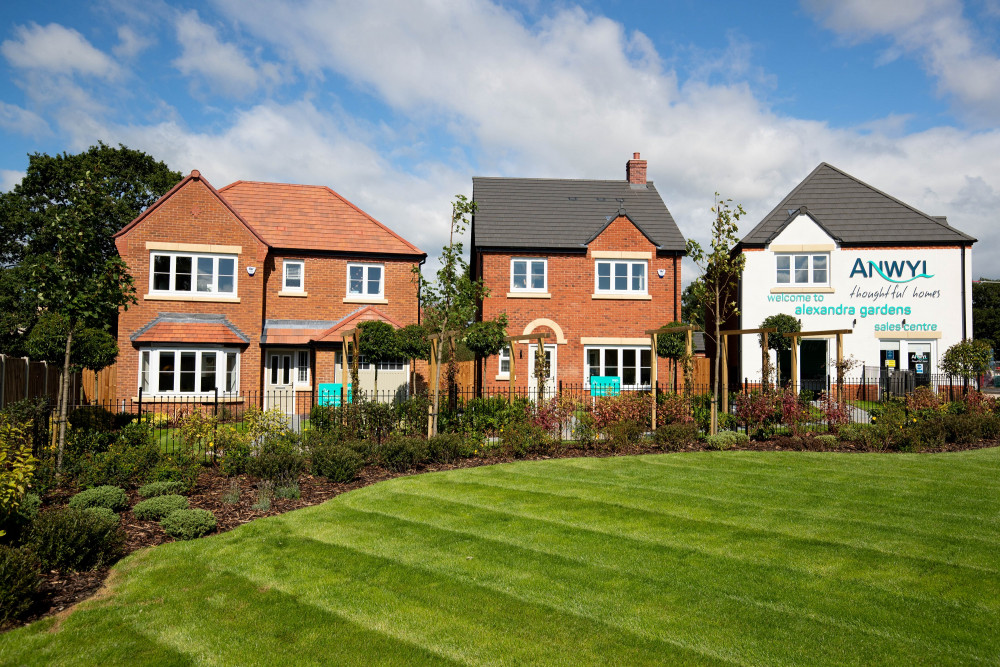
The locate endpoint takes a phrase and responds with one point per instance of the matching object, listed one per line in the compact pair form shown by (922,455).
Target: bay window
(180,371)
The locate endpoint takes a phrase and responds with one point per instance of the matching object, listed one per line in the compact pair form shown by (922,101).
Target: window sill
(528,295)
(295,294)
(818,289)
(214,298)
(193,398)
(505,378)
(627,297)
(365,299)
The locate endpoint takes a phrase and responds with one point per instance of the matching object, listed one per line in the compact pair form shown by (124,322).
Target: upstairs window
(811,269)
(529,275)
(294,276)
(185,273)
(365,280)
(621,277)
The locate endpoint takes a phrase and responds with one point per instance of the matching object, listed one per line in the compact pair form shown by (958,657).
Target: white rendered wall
(932,307)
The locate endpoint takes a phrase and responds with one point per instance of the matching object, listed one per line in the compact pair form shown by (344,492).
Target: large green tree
(56,239)
(986,312)
(721,270)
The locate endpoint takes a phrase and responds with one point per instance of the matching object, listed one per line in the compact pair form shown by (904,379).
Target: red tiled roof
(312,217)
(333,334)
(189,332)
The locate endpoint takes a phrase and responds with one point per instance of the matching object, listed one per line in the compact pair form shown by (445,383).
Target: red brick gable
(313,217)
(193,179)
(621,234)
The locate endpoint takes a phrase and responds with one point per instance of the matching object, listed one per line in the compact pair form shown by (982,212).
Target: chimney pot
(635,171)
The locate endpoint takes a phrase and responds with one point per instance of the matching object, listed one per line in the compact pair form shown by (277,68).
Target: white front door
(278,390)
(550,359)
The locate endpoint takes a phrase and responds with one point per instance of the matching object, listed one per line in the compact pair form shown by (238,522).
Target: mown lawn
(731,557)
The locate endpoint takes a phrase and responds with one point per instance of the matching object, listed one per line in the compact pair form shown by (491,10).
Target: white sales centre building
(837,253)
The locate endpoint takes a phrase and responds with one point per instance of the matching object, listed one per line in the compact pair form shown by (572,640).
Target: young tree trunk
(64,400)
(437,385)
(714,427)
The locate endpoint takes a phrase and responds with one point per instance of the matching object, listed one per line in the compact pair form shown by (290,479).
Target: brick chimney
(635,170)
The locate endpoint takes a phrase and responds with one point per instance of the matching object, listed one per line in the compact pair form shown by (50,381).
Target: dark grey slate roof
(552,213)
(854,213)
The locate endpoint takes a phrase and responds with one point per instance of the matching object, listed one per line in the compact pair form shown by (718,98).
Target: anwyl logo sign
(895,272)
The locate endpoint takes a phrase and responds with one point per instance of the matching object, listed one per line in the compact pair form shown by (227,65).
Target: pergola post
(432,367)
(795,363)
(539,359)
(538,337)
(840,367)
(764,359)
(725,372)
(795,336)
(510,374)
(653,373)
(654,334)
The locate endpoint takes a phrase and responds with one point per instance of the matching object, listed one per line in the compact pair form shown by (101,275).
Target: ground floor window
(171,371)
(629,363)
(287,367)
(364,364)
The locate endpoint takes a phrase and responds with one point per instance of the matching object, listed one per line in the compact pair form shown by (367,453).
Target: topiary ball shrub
(337,463)
(158,507)
(19,581)
(726,440)
(111,497)
(105,513)
(154,489)
(188,524)
(75,539)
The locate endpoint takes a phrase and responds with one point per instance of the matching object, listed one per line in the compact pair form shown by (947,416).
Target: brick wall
(572,306)
(193,214)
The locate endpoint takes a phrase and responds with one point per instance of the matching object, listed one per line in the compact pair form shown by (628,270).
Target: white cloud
(22,121)
(9,178)
(56,49)
(936,31)
(130,43)
(223,65)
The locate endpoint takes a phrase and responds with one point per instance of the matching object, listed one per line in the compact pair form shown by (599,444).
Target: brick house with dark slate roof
(246,290)
(594,263)
(837,253)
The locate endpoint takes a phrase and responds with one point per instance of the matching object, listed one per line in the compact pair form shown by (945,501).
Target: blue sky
(396,105)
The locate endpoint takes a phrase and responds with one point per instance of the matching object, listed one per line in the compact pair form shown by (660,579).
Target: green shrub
(188,524)
(158,507)
(92,418)
(336,462)
(584,430)
(726,440)
(676,435)
(112,497)
(265,493)
(826,440)
(107,514)
(236,450)
(19,581)
(14,525)
(231,496)
(924,434)
(402,452)
(446,448)
(523,438)
(288,489)
(154,489)
(73,539)
(623,433)
(128,461)
(852,432)
(279,457)
(83,442)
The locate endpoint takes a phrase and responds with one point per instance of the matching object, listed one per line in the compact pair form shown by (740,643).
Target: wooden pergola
(688,330)
(433,372)
(724,357)
(510,340)
(796,335)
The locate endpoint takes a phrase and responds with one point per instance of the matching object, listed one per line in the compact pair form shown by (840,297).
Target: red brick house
(246,291)
(593,263)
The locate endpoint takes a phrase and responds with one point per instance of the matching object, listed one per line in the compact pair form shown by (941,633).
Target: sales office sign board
(882,288)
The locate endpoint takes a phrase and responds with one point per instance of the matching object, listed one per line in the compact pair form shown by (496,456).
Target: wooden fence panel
(15,375)
(99,387)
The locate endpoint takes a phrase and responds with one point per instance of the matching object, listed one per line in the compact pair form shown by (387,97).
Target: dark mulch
(60,591)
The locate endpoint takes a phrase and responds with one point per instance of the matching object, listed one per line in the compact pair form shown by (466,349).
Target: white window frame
(364,293)
(149,370)
(503,356)
(527,274)
(620,349)
(194,257)
(630,274)
(810,268)
(285,264)
(302,366)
